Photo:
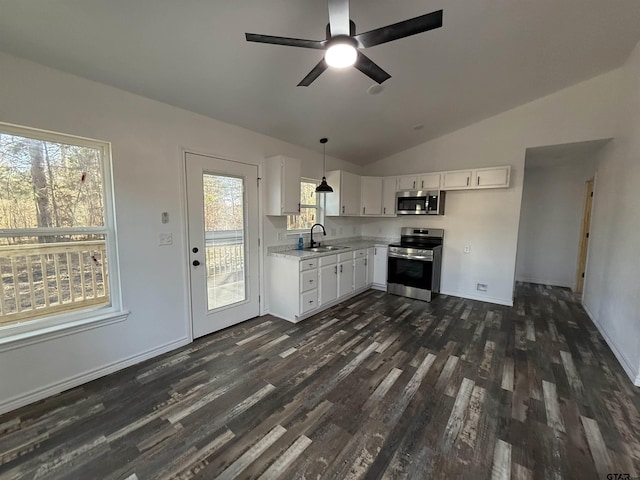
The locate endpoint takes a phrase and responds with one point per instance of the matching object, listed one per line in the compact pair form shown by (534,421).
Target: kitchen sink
(328,248)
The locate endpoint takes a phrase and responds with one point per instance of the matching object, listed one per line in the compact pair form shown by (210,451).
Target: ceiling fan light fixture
(341,54)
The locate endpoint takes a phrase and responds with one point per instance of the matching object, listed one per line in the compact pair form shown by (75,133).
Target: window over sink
(309,207)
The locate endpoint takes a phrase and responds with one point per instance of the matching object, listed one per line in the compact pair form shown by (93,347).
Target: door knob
(196,263)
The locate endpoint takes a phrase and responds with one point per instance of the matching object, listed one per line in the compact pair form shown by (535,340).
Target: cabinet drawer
(308,301)
(360,253)
(328,260)
(308,280)
(343,257)
(308,264)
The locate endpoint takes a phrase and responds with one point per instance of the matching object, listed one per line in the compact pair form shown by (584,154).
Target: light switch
(165,217)
(467,249)
(165,239)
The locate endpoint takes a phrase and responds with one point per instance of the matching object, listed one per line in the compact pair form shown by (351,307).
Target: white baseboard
(481,298)
(82,378)
(632,372)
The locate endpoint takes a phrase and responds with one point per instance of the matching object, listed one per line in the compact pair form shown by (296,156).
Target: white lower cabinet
(380,267)
(345,274)
(369,263)
(300,288)
(328,279)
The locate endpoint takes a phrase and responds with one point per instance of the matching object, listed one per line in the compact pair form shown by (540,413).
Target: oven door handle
(420,258)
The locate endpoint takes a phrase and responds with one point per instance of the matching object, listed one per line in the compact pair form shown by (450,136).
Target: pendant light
(324,187)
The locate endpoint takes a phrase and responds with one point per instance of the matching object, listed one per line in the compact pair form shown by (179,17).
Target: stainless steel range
(414,264)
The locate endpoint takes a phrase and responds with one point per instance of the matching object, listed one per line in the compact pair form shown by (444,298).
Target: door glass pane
(224,239)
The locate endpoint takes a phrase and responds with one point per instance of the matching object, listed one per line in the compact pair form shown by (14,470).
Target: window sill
(12,341)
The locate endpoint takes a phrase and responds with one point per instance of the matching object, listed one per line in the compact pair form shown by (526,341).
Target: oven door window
(411,273)
(412,204)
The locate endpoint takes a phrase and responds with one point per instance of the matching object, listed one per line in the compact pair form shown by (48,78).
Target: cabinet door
(350,194)
(456,180)
(380,266)
(360,273)
(389,196)
(328,284)
(291,171)
(370,265)
(429,182)
(492,177)
(371,195)
(345,278)
(407,182)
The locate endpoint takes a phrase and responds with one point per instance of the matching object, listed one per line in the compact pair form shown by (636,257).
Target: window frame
(295,232)
(90,317)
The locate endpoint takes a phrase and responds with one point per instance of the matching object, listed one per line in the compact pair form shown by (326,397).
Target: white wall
(146,137)
(487,220)
(551,220)
(612,283)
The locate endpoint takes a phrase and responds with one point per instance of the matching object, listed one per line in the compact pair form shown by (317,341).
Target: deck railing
(42,279)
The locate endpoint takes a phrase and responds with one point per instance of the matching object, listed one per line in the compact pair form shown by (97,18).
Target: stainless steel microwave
(420,202)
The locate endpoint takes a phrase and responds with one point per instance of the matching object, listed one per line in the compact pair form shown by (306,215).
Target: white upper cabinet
(371,195)
(456,180)
(407,182)
(345,199)
(282,185)
(389,196)
(497,177)
(429,181)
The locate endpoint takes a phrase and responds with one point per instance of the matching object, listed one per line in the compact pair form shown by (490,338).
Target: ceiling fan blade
(370,69)
(291,42)
(313,74)
(399,30)
(339,17)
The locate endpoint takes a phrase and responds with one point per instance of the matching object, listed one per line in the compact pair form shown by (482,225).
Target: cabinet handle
(365,262)
(342,208)
(340,268)
(311,281)
(414,184)
(467,181)
(422,183)
(336,269)
(310,301)
(363,210)
(384,210)
(299,208)
(478,183)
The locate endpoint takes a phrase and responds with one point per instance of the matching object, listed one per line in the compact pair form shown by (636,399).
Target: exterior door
(222,208)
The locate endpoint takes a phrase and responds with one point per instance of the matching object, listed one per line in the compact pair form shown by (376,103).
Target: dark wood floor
(377,387)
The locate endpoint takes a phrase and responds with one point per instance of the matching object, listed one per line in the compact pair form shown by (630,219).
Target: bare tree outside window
(308,207)
(52,227)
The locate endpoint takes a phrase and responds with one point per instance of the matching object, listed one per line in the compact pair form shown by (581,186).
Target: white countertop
(305,254)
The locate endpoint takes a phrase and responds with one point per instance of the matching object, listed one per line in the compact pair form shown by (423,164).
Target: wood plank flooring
(378,387)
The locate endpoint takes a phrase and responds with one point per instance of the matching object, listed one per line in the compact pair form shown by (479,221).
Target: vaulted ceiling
(489,56)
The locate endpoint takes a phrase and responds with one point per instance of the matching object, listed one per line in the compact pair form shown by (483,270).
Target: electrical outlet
(467,249)
(481,287)
(165,239)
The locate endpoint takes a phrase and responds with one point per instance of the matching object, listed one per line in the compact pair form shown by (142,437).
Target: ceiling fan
(342,46)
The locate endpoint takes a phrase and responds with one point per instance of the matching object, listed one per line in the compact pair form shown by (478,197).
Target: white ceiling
(490,56)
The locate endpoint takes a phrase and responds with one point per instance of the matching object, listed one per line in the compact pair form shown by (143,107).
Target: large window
(309,207)
(57,253)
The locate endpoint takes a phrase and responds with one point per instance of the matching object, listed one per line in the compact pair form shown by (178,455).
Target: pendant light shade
(324,186)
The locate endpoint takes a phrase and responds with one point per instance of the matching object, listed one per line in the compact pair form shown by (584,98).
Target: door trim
(585,229)
(183,151)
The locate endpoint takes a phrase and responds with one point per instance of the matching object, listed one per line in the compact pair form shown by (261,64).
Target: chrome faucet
(324,232)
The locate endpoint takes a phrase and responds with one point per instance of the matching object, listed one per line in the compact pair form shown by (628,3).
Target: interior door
(222,208)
